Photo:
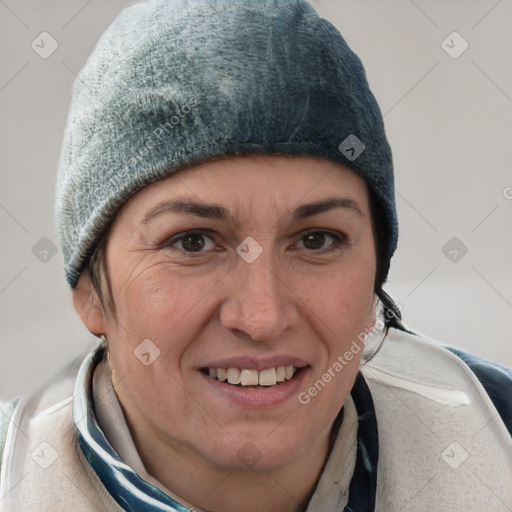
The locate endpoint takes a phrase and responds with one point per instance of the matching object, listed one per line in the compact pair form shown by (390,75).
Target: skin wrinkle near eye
(98,270)
(342,238)
(217,212)
(339,240)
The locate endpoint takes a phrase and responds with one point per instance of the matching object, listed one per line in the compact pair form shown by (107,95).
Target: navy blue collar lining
(129,490)
(363,486)
(133,493)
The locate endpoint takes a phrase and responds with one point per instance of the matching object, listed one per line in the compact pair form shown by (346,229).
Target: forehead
(255,181)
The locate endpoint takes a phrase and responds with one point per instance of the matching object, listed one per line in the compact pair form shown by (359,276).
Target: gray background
(449,122)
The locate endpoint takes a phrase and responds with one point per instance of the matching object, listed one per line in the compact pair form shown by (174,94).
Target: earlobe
(88,305)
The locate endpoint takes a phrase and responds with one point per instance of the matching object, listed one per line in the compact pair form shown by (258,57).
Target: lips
(251,377)
(254,383)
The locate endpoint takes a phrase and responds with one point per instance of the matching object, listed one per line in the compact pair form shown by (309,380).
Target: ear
(372,316)
(88,305)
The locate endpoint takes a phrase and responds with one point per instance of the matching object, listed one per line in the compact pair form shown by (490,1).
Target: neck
(215,489)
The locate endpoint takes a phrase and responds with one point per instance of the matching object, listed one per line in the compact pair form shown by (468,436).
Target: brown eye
(320,240)
(193,242)
(314,240)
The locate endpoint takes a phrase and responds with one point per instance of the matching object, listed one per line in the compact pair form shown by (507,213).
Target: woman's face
(242,265)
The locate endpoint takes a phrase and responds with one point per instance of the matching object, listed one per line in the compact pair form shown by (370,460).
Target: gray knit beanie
(173,83)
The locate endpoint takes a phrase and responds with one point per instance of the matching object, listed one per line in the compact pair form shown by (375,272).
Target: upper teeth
(268,377)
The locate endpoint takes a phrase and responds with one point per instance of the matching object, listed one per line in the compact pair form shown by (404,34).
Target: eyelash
(339,240)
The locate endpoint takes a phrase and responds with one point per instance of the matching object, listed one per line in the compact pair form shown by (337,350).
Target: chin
(265,451)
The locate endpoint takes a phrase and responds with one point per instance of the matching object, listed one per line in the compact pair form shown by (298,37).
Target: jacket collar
(133,493)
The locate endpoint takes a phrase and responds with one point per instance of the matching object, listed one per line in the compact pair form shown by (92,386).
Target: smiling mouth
(248,378)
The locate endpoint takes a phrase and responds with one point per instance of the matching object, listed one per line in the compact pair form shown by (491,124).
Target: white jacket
(430,438)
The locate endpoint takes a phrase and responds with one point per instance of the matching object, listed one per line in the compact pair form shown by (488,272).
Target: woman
(226,212)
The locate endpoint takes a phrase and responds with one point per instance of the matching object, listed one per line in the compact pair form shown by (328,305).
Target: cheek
(160,305)
(331,382)
(341,311)
(342,303)
(341,295)
(159,297)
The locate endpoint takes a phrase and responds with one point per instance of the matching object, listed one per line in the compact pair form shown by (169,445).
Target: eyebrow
(309,210)
(217,212)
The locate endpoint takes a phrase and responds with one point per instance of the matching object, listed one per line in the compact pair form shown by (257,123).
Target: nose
(259,301)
